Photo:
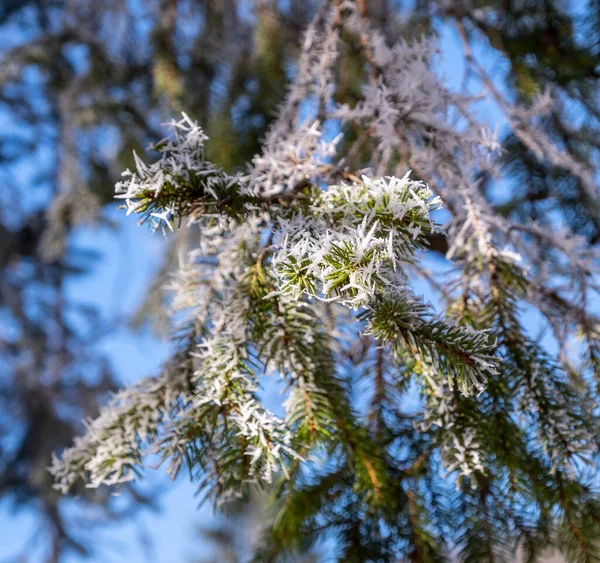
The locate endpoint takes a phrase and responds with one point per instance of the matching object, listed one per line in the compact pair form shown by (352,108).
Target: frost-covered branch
(304,269)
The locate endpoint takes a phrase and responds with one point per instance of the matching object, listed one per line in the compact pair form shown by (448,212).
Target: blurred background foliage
(83,83)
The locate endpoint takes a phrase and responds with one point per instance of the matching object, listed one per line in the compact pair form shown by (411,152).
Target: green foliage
(193,195)
(464,356)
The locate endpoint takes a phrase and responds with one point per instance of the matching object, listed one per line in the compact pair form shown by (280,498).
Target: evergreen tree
(82,84)
(303,268)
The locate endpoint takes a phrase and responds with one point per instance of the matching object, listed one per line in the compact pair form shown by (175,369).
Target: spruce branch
(303,271)
(464,356)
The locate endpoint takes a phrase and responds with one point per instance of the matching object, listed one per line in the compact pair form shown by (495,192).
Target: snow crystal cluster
(461,444)
(291,162)
(350,244)
(116,441)
(170,187)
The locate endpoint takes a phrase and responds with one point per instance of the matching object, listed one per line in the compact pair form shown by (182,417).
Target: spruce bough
(305,269)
